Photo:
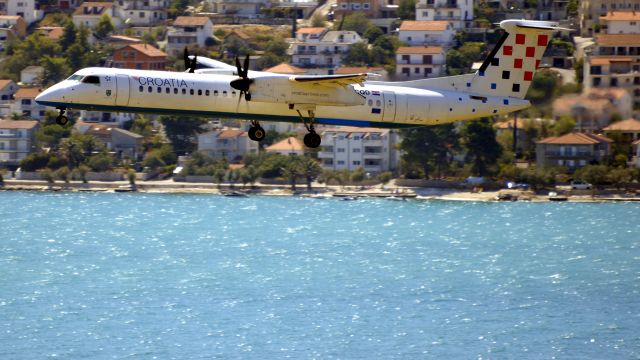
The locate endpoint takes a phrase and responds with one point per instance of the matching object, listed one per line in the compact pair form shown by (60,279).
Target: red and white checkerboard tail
(511,64)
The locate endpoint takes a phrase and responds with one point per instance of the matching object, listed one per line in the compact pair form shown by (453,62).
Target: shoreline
(321,191)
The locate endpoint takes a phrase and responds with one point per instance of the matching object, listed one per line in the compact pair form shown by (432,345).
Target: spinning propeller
(244,82)
(190,64)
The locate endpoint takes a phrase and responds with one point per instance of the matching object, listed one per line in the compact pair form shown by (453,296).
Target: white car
(580,185)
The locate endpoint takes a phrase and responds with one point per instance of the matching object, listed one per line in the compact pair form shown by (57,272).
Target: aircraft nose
(51,96)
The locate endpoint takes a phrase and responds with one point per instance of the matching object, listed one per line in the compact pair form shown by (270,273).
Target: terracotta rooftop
(239,33)
(27,93)
(52,32)
(18,124)
(147,50)
(624,125)
(621,16)
(190,21)
(419,50)
(289,144)
(230,133)
(606,60)
(285,69)
(425,25)
(312,30)
(5,83)
(618,39)
(575,138)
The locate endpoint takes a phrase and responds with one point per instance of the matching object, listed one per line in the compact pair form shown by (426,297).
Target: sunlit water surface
(135,276)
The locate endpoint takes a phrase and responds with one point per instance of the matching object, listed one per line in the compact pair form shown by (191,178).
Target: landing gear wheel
(312,140)
(62,120)
(256,133)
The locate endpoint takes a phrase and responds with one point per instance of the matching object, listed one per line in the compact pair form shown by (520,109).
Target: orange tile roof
(312,30)
(5,83)
(576,139)
(357,70)
(27,93)
(289,144)
(419,50)
(621,16)
(10,17)
(618,39)
(18,124)
(230,133)
(424,25)
(55,33)
(239,33)
(147,50)
(624,125)
(190,21)
(285,69)
(606,60)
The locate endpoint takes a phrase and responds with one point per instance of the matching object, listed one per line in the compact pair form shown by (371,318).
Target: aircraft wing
(214,64)
(330,80)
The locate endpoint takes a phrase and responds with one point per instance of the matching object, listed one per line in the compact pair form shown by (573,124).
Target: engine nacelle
(280,89)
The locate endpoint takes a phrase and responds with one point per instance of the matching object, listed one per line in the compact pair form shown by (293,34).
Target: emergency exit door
(122,90)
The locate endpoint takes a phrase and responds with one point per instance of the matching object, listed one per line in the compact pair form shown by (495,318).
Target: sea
(182,276)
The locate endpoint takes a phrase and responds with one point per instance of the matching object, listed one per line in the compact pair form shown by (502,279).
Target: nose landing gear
(61,119)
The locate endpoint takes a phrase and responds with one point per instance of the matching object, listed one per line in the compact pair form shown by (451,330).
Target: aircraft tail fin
(509,68)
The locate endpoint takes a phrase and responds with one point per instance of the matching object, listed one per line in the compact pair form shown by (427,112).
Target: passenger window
(91,80)
(378,103)
(184,91)
(370,102)
(215,92)
(159,90)
(199,92)
(175,90)
(150,89)
(233,94)
(167,90)
(191,91)
(141,88)
(224,93)
(206,92)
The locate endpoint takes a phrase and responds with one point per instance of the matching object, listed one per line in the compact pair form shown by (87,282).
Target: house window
(340,162)
(406,71)
(356,150)
(425,13)
(356,163)
(26,101)
(365,6)
(341,150)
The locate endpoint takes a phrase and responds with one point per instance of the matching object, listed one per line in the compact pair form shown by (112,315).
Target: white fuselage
(275,99)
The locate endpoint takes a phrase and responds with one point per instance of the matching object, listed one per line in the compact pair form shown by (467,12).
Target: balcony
(305,52)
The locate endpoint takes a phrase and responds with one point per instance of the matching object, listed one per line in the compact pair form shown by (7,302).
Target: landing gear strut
(61,119)
(312,139)
(256,132)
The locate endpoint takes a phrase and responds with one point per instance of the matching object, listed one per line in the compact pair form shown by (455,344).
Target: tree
(68,36)
(572,8)
(407,10)
(594,174)
(182,131)
(291,171)
(564,125)
(482,149)
(428,148)
(544,86)
(358,55)
(317,20)
(357,22)
(104,26)
(373,33)
(310,169)
(619,176)
(55,70)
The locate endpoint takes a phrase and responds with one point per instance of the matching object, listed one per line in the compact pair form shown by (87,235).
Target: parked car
(580,185)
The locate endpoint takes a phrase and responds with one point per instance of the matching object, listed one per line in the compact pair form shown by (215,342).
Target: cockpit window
(91,79)
(75,77)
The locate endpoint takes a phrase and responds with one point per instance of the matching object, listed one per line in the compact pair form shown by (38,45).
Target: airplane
(222,90)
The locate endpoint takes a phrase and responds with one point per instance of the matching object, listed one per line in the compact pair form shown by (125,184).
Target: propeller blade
(245,72)
(194,63)
(186,58)
(238,67)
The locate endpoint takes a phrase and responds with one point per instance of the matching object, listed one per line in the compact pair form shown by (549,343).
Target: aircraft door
(389,111)
(122,90)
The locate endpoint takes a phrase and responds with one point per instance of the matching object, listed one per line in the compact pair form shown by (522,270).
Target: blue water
(135,276)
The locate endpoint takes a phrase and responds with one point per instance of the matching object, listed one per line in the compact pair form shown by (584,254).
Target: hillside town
(583,124)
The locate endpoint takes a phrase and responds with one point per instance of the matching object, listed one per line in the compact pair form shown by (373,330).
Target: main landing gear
(256,132)
(61,119)
(312,140)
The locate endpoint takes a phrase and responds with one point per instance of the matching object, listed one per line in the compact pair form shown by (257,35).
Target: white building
(17,140)
(242,8)
(229,144)
(620,22)
(89,14)
(321,48)
(143,13)
(188,30)
(24,104)
(458,12)
(417,62)
(352,147)
(28,9)
(288,146)
(31,74)
(423,33)
(591,11)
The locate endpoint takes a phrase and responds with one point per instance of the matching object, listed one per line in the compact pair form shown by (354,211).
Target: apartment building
(321,48)
(573,150)
(352,147)
(17,140)
(241,8)
(25,104)
(426,33)
(457,12)
(417,62)
(29,10)
(595,108)
(382,13)
(143,13)
(89,14)
(188,30)
(229,144)
(590,12)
